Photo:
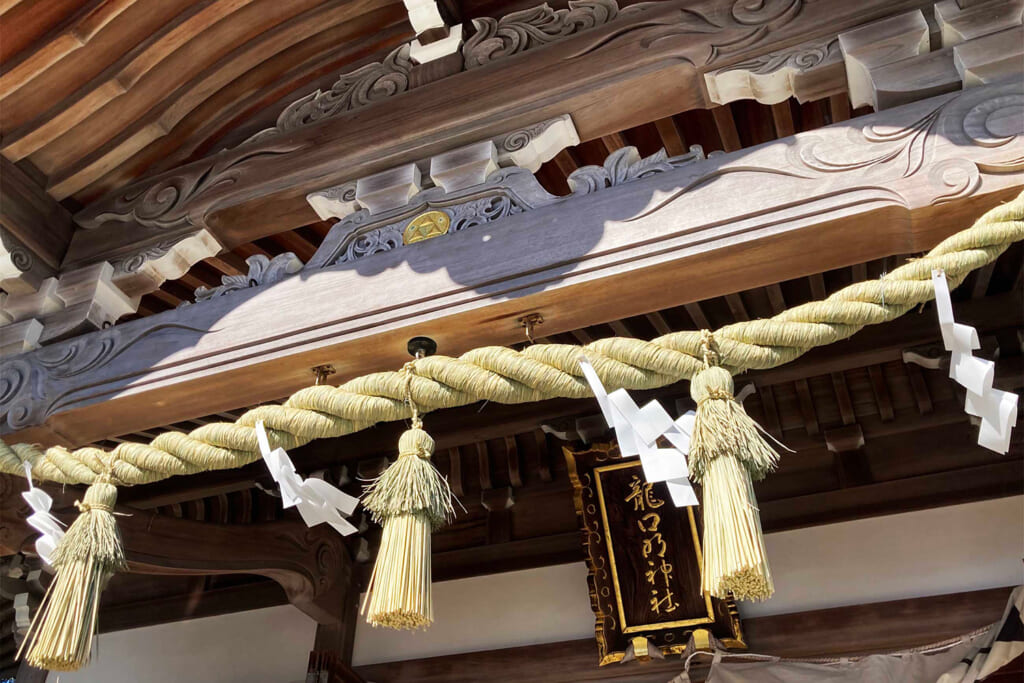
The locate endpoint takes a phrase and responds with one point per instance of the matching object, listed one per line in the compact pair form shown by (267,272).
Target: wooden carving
(21,272)
(644,557)
(526,147)
(534,27)
(26,381)
(653,53)
(494,39)
(625,165)
(359,88)
(807,71)
(262,271)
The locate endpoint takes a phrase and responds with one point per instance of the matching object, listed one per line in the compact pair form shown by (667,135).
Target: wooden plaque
(644,557)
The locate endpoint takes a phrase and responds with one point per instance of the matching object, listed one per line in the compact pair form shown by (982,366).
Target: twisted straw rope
(538,372)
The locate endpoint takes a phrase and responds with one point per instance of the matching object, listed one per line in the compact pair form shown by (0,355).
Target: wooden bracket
(312,565)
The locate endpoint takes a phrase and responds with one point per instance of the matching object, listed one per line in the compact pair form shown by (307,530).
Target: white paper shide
(316,500)
(638,429)
(997,409)
(41,519)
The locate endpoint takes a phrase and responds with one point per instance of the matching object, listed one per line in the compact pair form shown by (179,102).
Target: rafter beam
(35,231)
(823,200)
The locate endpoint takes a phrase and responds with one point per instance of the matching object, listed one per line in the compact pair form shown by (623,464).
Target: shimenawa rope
(538,372)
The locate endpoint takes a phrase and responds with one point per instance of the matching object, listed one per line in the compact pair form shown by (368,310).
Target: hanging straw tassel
(60,638)
(410,499)
(727,452)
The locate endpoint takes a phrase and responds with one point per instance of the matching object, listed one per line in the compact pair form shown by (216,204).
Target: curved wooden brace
(313,566)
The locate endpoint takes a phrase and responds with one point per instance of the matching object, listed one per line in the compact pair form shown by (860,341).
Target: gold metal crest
(426,226)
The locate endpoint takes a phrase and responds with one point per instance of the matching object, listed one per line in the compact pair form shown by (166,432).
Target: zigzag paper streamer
(41,520)
(997,409)
(638,430)
(316,500)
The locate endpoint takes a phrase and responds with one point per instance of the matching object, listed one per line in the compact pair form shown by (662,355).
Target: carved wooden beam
(313,566)
(34,234)
(41,301)
(629,67)
(825,199)
(22,271)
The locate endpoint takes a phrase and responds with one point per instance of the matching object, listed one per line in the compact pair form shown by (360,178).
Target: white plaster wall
(543,605)
(930,552)
(944,550)
(259,646)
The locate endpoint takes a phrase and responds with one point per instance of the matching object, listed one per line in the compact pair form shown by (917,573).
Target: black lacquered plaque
(644,557)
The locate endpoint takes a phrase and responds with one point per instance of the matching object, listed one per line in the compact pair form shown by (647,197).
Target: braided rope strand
(538,372)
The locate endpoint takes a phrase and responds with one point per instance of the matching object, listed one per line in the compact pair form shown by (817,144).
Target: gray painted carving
(21,272)
(507,191)
(624,165)
(133,262)
(19,255)
(332,202)
(262,271)
(799,58)
(520,139)
(34,385)
(534,27)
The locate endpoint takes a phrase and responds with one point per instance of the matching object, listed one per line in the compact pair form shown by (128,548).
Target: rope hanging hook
(418,347)
(321,373)
(528,323)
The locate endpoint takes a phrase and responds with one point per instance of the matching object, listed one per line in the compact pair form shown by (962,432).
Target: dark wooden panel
(832,632)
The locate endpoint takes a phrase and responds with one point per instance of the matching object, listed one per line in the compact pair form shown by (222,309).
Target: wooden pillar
(330,661)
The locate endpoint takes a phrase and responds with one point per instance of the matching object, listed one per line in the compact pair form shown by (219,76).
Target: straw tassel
(727,453)
(60,638)
(410,499)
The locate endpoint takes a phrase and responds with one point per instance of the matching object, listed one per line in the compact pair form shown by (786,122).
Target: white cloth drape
(970,661)
(1005,644)
(917,668)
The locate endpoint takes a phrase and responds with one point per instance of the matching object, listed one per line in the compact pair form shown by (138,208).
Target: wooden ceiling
(95,94)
